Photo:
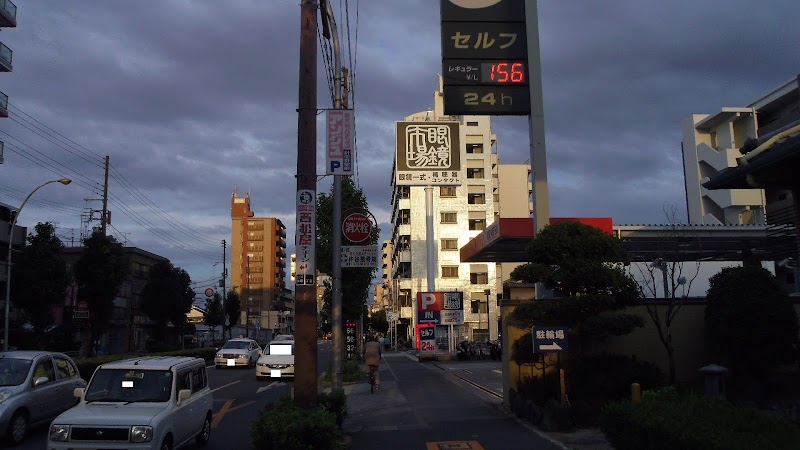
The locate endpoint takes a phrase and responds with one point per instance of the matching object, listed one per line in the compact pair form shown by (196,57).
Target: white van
(158,402)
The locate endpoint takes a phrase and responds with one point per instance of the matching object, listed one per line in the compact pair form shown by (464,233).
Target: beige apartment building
(460,212)
(258,270)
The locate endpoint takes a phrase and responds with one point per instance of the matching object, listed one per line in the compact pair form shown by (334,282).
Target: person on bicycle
(372,357)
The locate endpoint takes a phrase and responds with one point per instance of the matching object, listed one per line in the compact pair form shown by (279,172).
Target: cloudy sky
(195,99)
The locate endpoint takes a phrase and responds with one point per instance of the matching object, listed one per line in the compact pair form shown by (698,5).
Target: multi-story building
(8,19)
(712,143)
(258,250)
(460,212)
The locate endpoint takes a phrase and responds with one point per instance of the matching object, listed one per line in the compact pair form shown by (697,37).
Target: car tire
(205,434)
(166,444)
(17,428)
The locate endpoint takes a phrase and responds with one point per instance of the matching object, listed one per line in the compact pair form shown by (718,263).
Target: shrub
(666,421)
(351,373)
(286,426)
(335,402)
(609,377)
(86,366)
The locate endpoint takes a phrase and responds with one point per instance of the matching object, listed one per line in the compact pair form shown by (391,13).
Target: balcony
(280,264)
(5,58)
(8,14)
(280,243)
(2,147)
(280,254)
(3,105)
(280,233)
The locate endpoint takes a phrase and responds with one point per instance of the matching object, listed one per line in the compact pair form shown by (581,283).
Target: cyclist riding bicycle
(372,357)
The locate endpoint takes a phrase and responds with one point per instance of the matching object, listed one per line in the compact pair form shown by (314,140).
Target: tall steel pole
(63,181)
(105,200)
(305,379)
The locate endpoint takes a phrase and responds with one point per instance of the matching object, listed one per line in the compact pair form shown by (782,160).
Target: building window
(475,172)
(478,274)
(404,243)
(404,192)
(474,148)
(477,224)
(472,124)
(404,297)
(449,271)
(404,270)
(447,191)
(404,217)
(449,217)
(449,244)
(476,199)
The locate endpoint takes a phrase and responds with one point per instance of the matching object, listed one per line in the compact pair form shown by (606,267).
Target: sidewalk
(388,409)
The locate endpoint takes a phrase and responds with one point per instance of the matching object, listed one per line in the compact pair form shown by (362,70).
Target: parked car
(161,402)
(237,352)
(35,387)
(284,337)
(277,360)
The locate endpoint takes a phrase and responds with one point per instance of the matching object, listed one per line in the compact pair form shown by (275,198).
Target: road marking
(225,385)
(454,445)
(269,386)
(226,408)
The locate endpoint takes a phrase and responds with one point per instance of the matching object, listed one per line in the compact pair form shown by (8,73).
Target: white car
(237,352)
(277,360)
(159,402)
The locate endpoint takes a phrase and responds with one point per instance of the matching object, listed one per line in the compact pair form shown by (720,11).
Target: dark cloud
(193,100)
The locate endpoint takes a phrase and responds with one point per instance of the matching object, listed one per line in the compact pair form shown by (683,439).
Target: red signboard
(357,227)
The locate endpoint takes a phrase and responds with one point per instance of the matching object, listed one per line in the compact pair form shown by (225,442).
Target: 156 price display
(474,72)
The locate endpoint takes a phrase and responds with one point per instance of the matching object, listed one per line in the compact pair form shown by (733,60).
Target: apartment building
(460,212)
(8,19)
(712,143)
(258,269)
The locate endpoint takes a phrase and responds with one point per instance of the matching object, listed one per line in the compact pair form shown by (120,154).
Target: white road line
(226,385)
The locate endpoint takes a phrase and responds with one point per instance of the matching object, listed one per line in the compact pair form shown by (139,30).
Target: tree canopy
(167,297)
(750,321)
(99,274)
(40,278)
(580,264)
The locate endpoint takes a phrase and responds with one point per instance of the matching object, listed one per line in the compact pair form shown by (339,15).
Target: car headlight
(219,355)
(140,433)
(4,395)
(244,356)
(59,433)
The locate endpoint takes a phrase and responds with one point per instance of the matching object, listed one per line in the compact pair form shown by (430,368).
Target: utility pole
(227,321)
(305,380)
(336,261)
(104,219)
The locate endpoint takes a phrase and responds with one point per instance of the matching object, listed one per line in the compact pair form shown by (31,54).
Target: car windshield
(237,345)
(13,371)
(125,385)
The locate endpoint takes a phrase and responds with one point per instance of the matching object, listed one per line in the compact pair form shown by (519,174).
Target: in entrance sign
(485,57)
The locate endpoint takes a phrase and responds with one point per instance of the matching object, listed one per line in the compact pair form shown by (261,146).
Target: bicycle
(371,378)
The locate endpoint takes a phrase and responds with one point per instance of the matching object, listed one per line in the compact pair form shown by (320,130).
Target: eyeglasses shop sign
(359,256)
(427,154)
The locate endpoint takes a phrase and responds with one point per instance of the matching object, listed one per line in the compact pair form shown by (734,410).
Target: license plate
(231,362)
(274,373)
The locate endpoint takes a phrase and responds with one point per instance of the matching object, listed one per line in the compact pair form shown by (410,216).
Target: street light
(64,181)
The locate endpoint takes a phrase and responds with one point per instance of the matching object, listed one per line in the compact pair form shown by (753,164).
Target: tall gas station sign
(485,57)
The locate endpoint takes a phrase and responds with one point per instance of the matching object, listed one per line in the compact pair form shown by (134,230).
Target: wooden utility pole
(104,218)
(305,378)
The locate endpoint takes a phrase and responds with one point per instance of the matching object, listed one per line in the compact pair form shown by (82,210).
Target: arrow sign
(550,339)
(550,347)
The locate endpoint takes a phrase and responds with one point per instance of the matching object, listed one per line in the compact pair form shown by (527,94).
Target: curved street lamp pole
(63,181)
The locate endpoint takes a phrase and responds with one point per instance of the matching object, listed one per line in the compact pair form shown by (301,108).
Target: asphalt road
(238,398)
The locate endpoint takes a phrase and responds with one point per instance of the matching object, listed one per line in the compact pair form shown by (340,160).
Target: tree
(214,315)
(356,281)
(40,279)
(233,309)
(378,322)
(667,273)
(750,321)
(167,297)
(100,273)
(580,264)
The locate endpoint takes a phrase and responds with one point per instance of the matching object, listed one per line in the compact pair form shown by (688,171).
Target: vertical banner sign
(485,57)
(427,154)
(350,341)
(305,237)
(340,128)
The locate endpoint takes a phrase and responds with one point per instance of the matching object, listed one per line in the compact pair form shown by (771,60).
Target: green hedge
(86,366)
(666,421)
(286,426)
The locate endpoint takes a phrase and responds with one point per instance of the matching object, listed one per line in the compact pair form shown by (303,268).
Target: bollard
(636,393)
